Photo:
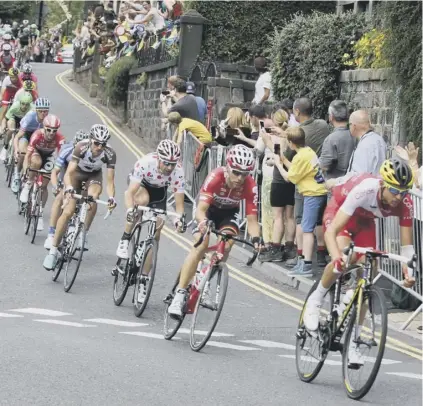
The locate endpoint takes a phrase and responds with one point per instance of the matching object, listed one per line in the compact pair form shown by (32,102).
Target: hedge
(237,31)
(117,78)
(307,56)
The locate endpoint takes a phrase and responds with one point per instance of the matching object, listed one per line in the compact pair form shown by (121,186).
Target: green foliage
(56,15)
(117,78)
(237,31)
(15,10)
(142,79)
(307,56)
(402,21)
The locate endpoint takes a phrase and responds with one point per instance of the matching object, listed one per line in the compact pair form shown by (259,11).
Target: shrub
(307,56)
(117,78)
(237,31)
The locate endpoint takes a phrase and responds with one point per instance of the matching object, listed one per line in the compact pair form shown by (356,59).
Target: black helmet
(397,173)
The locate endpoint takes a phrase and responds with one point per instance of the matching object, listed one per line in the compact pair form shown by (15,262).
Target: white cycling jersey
(146,171)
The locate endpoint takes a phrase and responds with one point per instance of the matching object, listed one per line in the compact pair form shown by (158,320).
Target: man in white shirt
(152,20)
(263,85)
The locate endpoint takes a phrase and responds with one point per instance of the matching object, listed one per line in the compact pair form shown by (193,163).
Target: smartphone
(165,92)
(268,130)
(277,148)
(261,124)
(231,131)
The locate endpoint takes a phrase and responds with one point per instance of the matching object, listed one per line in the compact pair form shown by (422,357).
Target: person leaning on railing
(196,128)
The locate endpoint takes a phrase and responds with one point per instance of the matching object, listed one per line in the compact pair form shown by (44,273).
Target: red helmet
(51,121)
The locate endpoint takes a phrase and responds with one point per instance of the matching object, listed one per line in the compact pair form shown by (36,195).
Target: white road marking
(117,322)
(43,312)
(385,361)
(406,375)
(312,359)
(6,315)
(269,344)
(64,323)
(148,335)
(231,346)
(203,333)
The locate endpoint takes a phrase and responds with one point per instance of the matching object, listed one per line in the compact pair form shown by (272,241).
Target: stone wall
(369,89)
(83,76)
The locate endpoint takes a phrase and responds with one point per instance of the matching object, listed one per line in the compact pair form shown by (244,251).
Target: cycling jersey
(83,156)
(40,144)
(21,92)
(8,96)
(65,156)
(7,84)
(7,61)
(216,192)
(146,171)
(30,122)
(15,111)
(24,76)
(24,40)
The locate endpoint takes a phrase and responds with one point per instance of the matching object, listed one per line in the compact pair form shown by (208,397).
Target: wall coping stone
(154,68)
(231,83)
(83,68)
(364,75)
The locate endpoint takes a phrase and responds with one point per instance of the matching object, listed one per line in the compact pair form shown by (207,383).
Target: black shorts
(17,121)
(282,194)
(158,196)
(224,219)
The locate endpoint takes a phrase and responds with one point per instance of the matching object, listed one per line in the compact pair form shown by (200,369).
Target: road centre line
(397,345)
(42,312)
(63,323)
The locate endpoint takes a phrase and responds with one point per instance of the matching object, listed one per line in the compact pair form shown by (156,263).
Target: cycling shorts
(225,220)
(90,178)
(17,121)
(27,136)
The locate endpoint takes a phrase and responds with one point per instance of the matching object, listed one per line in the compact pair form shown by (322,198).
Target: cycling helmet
(397,173)
(80,136)
(34,26)
(26,98)
(100,133)
(27,68)
(51,121)
(7,37)
(26,30)
(25,22)
(42,104)
(14,24)
(240,158)
(28,85)
(6,47)
(13,72)
(169,151)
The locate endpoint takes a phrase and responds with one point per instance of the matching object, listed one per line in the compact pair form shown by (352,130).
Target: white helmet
(240,158)
(80,136)
(100,133)
(169,151)
(7,37)
(6,47)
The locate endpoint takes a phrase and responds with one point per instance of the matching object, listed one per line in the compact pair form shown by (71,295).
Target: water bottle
(346,299)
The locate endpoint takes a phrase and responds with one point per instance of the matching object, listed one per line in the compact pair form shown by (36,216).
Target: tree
(15,10)
(56,15)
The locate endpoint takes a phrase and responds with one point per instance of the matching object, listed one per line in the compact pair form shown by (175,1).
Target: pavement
(78,348)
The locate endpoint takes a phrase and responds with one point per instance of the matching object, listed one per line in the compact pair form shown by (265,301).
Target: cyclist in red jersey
(11,84)
(219,201)
(350,216)
(40,154)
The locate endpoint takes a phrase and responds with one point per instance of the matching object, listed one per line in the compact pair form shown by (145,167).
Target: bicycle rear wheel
(209,306)
(141,279)
(36,213)
(171,325)
(76,251)
(375,316)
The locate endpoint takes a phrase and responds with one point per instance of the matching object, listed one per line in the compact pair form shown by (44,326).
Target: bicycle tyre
(170,333)
(70,279)
(27,213)
(360,393)
(36,214)
(118,298)
(9,173)
(152,245)
(222,275)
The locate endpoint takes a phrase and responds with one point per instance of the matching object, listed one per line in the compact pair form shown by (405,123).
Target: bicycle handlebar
(89,199)
(159,211)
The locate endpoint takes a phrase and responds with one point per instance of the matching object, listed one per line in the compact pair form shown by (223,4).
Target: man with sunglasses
(13,118)
(32,121)
(350,216)
(28,87)
(219,200)
(88,158)
(40,154)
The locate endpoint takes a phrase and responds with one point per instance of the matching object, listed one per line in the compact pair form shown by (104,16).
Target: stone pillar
(190,41)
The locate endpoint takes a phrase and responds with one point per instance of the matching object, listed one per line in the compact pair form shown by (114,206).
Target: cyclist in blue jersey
(57,176)
(31,122)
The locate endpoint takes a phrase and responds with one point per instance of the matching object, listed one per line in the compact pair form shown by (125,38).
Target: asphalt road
(78,348)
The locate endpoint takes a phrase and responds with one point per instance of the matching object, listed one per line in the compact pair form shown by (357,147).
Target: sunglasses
(239,173)
(99,144)
(25,104)
(43,111)
(397,192)
(51,130)
(166,163)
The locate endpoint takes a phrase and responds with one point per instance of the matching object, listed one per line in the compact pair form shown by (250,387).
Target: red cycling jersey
(24,76)
(40,144)
(216,192)
(9,94)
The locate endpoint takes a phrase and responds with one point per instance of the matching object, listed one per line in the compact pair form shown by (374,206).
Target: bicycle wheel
(310,351)
(76,251)
(375,316)
(171,325)
(211,301)
(140,279)
(9,171)
(27,213)
(36,213)
(123,270)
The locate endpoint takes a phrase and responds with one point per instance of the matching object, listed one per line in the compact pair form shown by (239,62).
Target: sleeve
(407,212)
(267,81)
(178,181)
(60,140)
(76,154)
(251,197)
(328,155)
(297,170)
(356,198)
(12,110)
(208,188)
(111,159)
(25,122)
(33,142)
(138,172)
(61,158)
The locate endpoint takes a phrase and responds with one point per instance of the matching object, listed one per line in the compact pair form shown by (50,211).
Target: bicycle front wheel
(76,251)
(171,325)
(144,280)
(209,306)
(36,213)
(27,215)
(368,346)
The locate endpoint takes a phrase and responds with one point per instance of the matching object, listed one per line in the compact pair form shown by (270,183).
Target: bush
(307,56)
(117,78)
(237,31)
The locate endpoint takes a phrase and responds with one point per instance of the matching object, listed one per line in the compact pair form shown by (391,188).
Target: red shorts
(361,230)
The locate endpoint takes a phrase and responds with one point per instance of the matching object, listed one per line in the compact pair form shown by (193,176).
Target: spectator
(315,131)
(410,154)
(339,145)
(152,20)
(196,128)
(263,85)
(305,173)
(228,128)
(201,103)
(171,9)
(185,104)
(288,106)
(255,114)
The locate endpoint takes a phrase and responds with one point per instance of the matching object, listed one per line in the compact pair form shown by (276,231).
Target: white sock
(319,293)
(53,250)
(357,330)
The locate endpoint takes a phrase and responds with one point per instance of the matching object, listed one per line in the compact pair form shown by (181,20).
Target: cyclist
(57,175)
(15,29)
(13,119)
(9,87)
(28,87)
(219,201)
(28,74)
(23,42)
(34,33)
(31,122)
(350,216)
(6,58)
(44,143)
(86,166)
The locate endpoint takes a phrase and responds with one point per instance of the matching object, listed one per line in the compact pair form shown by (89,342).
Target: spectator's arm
(265,96)
(147,18)
(278,164)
